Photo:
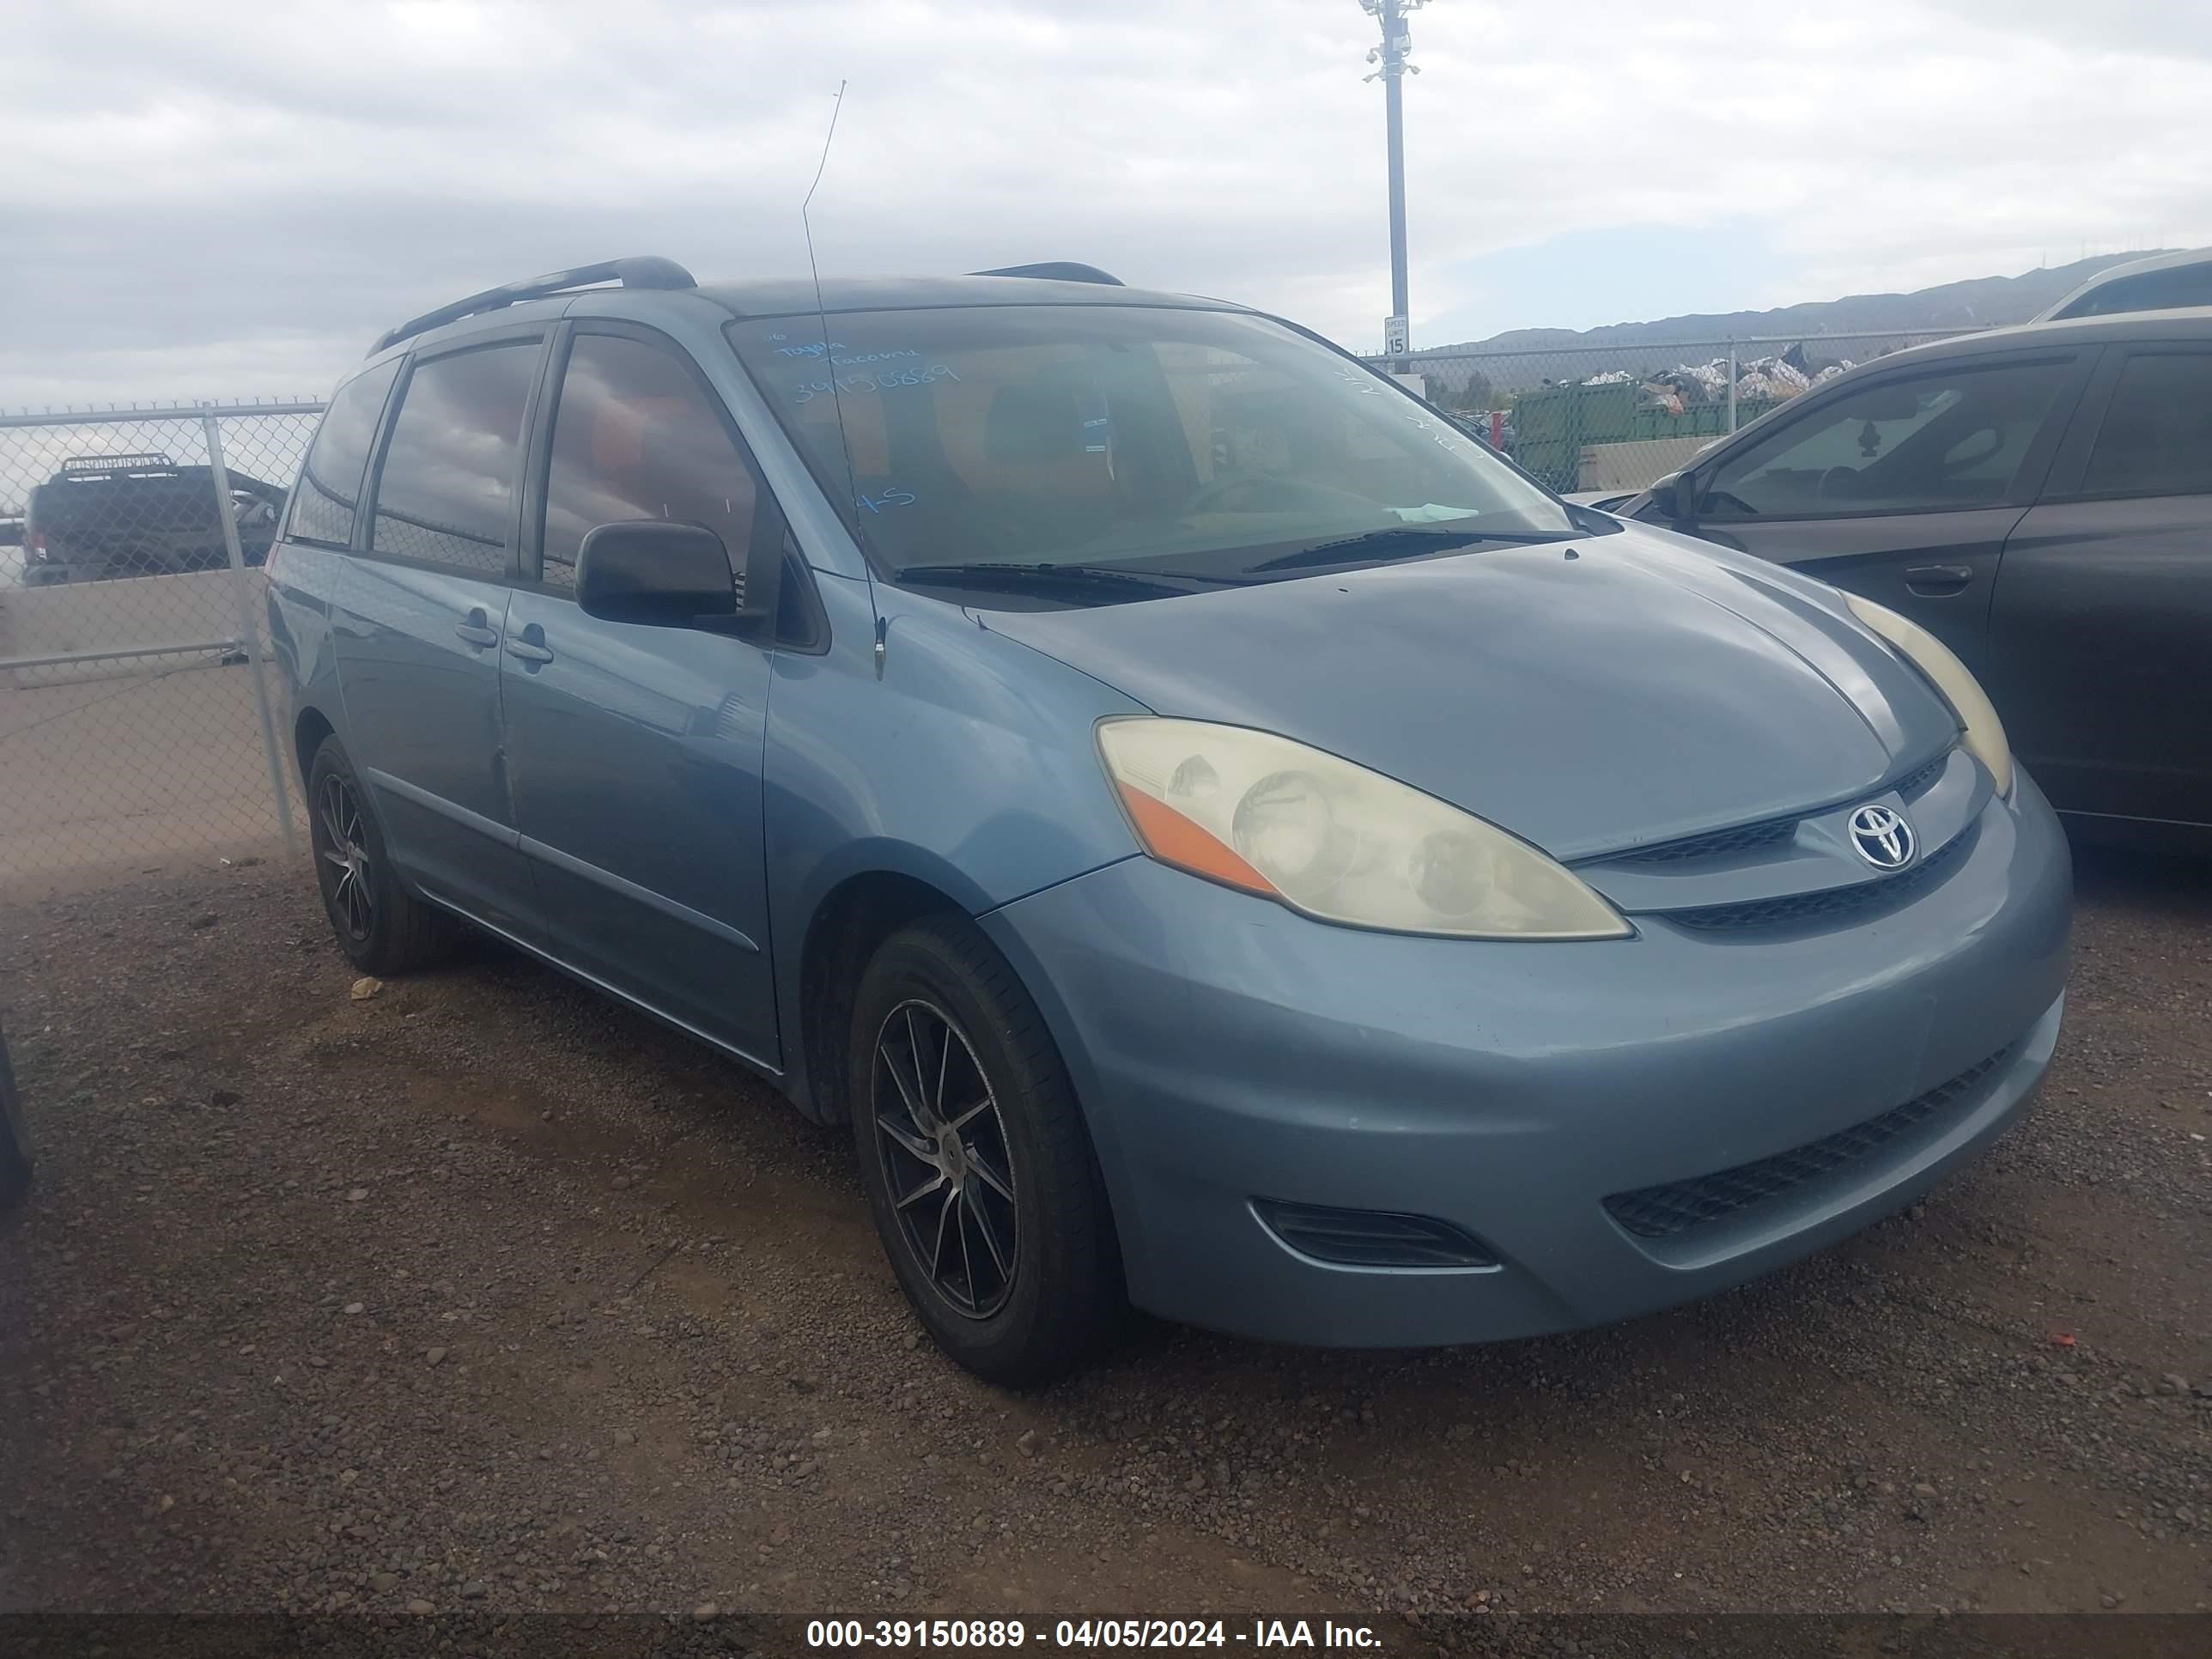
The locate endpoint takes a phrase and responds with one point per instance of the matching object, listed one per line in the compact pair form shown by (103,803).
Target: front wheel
(976,1162)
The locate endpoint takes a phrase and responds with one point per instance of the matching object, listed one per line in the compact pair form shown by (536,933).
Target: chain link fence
(1616,416)
(137,718)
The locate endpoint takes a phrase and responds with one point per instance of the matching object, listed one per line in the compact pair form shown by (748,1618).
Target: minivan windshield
(1078,444)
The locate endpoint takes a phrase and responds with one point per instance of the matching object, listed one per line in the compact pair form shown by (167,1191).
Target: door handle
(477,632)
(530,647)
(1935,581)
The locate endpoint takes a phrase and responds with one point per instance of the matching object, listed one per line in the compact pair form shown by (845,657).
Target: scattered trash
(1757,379)
(365,988)
(2062,1339)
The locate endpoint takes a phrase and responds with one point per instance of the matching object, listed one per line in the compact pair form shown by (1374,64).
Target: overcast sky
(230,198)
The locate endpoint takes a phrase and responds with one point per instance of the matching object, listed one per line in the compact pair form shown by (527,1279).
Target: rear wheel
(977,1165)
(381,927)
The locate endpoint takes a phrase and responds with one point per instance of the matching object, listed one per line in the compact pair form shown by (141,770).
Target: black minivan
(2040,499)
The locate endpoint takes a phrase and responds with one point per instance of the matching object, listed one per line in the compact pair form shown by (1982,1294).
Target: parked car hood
(1589,696)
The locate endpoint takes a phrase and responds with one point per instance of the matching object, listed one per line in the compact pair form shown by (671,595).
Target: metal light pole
(1390,58)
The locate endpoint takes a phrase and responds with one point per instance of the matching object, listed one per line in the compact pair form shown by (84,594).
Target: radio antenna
(820,310)
(836,105)
(829,362)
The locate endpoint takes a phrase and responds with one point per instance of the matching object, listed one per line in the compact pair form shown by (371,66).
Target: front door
(635,753)
(2101,635)
(1902,489)
(421,613)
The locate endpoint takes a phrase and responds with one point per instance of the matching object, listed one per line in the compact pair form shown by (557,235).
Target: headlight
(1985,734)
(1335,840)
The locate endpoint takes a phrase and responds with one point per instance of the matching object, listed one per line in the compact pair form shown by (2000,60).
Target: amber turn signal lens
(1174,839)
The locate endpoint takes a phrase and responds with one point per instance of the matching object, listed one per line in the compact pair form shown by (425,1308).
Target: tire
(15,1138)
(1036,1288)
(382,928)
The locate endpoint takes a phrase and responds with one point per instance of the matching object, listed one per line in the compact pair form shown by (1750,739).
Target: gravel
(475,1292)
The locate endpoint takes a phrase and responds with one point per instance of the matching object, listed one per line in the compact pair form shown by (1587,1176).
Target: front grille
(1828,904)
(1682,1206)
(1744,838)
(1371,1238)
(1915,785)
(1771,832)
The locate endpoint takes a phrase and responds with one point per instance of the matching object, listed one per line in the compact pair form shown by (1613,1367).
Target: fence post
(1732,374)
(249,633)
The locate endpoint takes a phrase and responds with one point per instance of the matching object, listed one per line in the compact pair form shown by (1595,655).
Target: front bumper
(1227,1049)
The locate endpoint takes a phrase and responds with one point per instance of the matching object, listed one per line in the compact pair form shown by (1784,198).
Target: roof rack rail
(87,467)
(1058,270)
(643,270)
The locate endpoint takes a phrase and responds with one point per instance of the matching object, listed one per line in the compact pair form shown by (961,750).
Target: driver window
(635,437)
(1952,438)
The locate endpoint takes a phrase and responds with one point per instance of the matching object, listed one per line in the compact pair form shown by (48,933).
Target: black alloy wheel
(977,1159)
(945,1159)
(342,843)
(381,926)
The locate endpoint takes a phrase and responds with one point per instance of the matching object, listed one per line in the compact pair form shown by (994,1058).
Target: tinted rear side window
(329,483)
(2156,439)
(445,493)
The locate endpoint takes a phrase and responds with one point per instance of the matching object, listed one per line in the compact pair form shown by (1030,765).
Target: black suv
(2040,499)
(104,516)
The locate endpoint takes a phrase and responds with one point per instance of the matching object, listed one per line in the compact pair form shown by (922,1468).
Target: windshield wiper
(1003,573)
(1400,539)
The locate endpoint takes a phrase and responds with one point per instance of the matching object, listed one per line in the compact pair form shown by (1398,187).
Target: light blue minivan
(1225,840)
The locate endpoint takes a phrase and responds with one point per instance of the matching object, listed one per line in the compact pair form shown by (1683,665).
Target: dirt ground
(101,777)
(484,1294)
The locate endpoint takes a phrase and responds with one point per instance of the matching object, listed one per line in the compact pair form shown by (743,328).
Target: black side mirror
(665,574)
(1669,496)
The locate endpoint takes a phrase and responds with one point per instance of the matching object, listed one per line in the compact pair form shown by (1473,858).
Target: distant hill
(1982,302)
(1485,374)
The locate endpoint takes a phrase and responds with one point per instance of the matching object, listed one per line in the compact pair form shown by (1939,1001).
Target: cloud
(236,197)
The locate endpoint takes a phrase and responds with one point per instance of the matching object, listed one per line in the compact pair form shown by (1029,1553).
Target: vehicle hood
(1587,695)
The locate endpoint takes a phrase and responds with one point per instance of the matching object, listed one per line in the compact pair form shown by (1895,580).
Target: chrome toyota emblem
(1882,837)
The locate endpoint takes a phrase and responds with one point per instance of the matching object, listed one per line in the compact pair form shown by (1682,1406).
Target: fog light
(1371,1238)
